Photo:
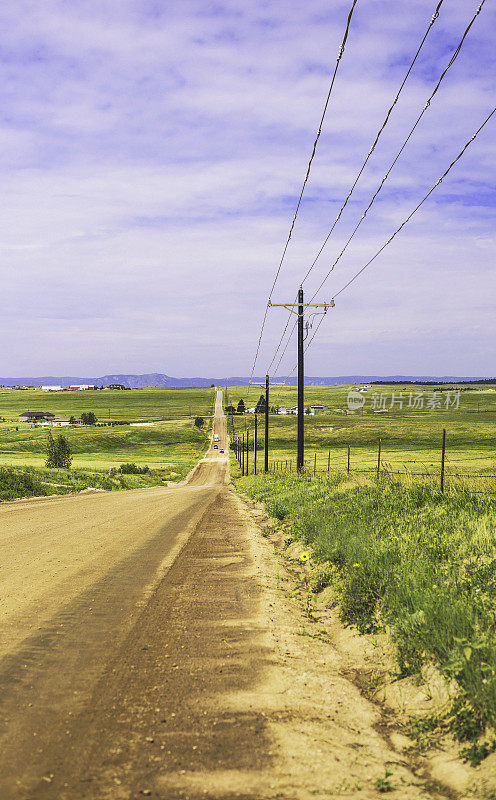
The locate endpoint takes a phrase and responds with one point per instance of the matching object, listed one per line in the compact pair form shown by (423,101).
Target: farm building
(64,422)
(81,387)
(36,416)
(52,388)
(318,409)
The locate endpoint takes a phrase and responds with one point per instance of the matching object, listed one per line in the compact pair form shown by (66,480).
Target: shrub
(133,469)
(14,484)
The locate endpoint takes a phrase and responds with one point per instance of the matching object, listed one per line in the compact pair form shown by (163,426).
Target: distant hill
(156,379)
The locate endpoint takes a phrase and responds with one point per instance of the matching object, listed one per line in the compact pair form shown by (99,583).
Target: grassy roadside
(32,482)
(409,560)
(160,456)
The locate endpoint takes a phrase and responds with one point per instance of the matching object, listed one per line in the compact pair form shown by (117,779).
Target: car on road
(216,446)
(221,450)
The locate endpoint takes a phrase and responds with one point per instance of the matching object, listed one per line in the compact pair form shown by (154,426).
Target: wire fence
(447,477)
(448,471)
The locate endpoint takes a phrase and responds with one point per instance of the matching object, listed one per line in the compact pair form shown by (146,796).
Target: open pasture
(110,404)
(173,443)
(410,438)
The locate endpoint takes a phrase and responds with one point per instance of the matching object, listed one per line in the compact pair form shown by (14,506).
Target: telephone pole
(255,447)
(266,443)
(301,371)
(300,455)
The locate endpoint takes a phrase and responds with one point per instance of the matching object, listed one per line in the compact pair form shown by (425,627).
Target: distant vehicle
(216,446)
(221,450)
(216,437)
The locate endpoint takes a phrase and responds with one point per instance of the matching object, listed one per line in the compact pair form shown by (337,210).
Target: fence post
(443,451)
(329,462)
(348,467)
(379,460)
(315,465)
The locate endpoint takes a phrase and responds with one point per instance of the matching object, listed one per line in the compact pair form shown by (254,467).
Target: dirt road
(145,652)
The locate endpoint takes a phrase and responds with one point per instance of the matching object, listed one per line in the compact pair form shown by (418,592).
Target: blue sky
(151,155)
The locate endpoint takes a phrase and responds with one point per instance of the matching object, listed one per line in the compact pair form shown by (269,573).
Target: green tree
(260,407)
(51,453)
(241,407)
(230,410)
(88,418)
(58,452)
(199,422)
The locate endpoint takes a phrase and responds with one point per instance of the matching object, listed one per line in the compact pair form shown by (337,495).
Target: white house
(250,410)
(52,388)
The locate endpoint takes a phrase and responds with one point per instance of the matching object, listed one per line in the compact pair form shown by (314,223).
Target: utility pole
(247,449)
(301,388)
(266,461)
(443,453)
(301,306)
(243,457)
(255,448)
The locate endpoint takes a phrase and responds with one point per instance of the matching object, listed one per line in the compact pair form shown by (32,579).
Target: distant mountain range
(157,379)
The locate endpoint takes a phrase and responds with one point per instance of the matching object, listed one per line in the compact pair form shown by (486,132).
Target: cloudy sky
(151,156)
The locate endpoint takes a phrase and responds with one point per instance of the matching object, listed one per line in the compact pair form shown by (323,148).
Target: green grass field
(110,404)
(410,439)
(172,445)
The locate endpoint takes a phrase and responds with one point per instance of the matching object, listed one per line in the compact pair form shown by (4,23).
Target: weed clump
(16,483)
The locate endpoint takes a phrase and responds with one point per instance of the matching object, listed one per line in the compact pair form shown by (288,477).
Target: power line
(386,176)
(357,178)
(426,106)
(376,140)
(405,221)
(280,342)
(307,175)
(460,154)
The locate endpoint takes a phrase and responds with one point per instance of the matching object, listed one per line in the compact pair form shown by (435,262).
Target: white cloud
(151,158)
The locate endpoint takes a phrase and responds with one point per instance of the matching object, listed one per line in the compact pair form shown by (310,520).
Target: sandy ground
(148,651)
